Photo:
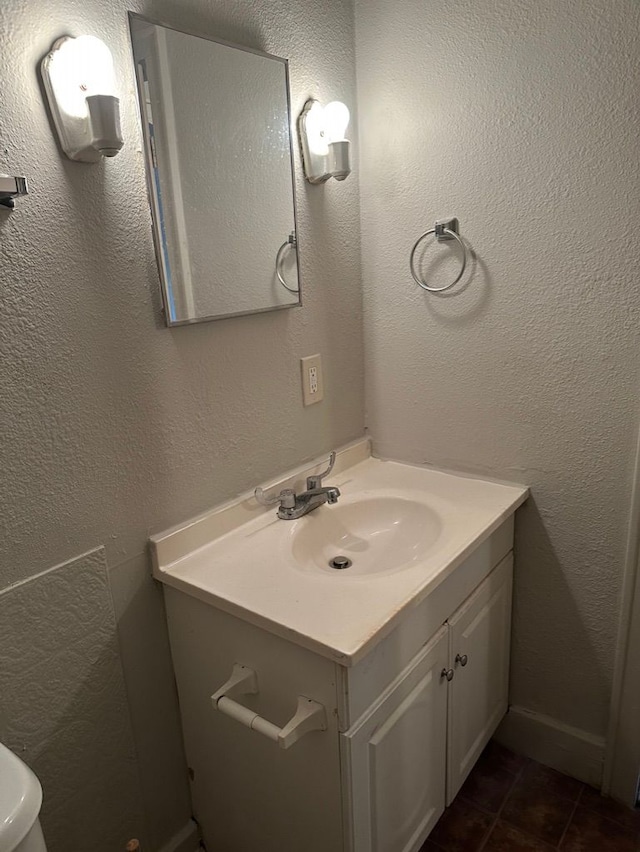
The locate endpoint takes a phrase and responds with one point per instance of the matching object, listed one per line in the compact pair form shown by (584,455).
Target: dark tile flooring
(512,804)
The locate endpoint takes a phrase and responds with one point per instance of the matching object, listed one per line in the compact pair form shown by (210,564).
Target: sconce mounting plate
(314,147)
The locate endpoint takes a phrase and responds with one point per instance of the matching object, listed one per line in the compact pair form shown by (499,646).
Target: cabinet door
(394,758)
(480,631)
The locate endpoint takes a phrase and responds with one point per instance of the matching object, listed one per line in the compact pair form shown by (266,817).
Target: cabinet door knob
(448,673)
(462,659)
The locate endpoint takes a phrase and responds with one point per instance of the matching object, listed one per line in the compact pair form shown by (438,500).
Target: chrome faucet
(294,505)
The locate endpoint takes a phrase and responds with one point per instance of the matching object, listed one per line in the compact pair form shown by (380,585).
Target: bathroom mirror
(217,133)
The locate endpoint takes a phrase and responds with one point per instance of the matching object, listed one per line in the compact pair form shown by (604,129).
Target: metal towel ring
(290,241)
(446,229)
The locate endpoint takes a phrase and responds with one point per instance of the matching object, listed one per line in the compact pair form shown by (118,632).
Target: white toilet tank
(20,800)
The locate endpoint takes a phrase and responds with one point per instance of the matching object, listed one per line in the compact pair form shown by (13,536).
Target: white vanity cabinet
(411,752)
(395,757)
(405,723)
(479,635)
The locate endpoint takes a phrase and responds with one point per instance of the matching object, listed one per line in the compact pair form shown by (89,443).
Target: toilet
(20,800)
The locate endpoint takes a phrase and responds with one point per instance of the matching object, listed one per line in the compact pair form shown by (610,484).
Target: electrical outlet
(312,384)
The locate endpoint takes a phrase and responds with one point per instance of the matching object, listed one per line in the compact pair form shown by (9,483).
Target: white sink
(404,529)
(376,534)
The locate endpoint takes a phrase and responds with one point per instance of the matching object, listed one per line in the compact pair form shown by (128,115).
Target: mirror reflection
(216,126)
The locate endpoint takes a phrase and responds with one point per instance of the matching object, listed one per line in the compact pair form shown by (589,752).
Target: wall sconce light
(80,82)
(325,150)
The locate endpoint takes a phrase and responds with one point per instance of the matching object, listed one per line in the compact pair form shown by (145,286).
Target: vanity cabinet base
(403,727)
(249,794)
(430,724)
(479,642)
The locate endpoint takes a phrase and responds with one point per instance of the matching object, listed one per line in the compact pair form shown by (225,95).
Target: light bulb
(83,67)
(336,119)
(97,63)
(325,150)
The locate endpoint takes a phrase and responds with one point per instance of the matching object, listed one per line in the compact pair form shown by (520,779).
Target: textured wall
(521,119)
(114,426)
(64,707)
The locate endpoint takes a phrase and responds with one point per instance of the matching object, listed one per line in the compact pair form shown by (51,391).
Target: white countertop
(238,558)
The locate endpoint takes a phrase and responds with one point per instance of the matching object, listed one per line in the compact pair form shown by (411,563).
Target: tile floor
(512,804)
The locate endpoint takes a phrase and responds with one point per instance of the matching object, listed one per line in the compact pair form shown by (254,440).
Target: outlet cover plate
(310,379)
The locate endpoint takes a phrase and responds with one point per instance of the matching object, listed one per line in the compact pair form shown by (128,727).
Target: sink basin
(377,535)
(404,528)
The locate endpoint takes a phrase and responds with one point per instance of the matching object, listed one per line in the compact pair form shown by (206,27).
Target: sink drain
(340,562)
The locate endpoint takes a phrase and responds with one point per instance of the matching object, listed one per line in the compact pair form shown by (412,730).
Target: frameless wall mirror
(217,133)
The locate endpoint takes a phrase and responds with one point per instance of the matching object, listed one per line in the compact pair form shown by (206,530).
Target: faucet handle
(286,498)
(316,481)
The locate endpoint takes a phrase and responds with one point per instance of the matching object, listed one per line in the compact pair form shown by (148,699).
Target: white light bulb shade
(104,117)
(339,160)
(336,120)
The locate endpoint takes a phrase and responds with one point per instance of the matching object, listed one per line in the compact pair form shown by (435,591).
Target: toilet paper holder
(309,715)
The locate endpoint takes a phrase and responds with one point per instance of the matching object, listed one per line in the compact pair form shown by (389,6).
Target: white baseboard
(186,840)
(569,750)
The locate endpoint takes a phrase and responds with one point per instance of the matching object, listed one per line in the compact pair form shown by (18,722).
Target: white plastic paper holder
(309,715)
